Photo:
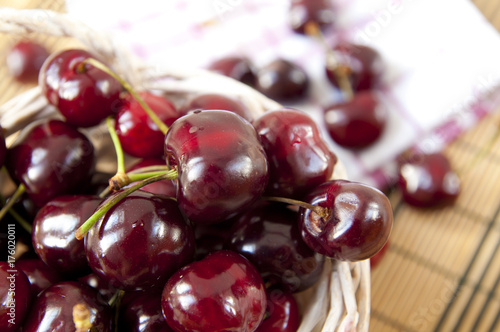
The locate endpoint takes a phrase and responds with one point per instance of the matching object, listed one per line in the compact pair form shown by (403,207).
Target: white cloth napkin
(442,58)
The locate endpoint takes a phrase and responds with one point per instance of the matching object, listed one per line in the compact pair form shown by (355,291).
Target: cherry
(3,148)
(222,166)
(282,312)
(139,242)
(299,159)
(15,297)
(238,67)
(211,237)
(25,59)
(83,94)
(358,122)
(143,314)
(320,12)
(282,80)
(139,135)
(105,290)
(217,102)
(363,64)
(268,235)
(53,233)
(53,310)
(165,187)
(51,159)
(222,292)
(428,180)
(40,275)
(358,225)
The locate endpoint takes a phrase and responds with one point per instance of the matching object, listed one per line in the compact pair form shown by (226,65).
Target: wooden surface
(442,270)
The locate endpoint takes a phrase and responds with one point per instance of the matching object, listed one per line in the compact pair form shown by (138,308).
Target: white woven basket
(340,301)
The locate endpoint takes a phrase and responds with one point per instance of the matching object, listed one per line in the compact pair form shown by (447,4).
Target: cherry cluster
(225,215)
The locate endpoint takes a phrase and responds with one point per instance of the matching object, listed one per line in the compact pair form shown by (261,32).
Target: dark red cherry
(54,233)
(299,159)
(143,314)
(51,159)
(3,148)
(222,165)
(357,122)
(282,80)
(363,64)
(268,235)
(105,290)
(52,311)
(211,237)
(139,135)
(164,187)
(358,225)
(140,242)
(25,59)
(217,102)
(39,274)
(15,297)
(83,94)
(222,292)
(238,67)
(320,12)
(282,312)
(428,180)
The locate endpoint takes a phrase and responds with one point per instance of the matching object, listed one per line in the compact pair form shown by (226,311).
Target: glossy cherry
(238,67)
(269,236)
(222,292)
(164,187)
(217,102)
(139,135)
(51,159)
(358,224)
(39,274)
(299,159)
(282,312)
(105,290)
(82,93)
(320,12)
(358,122)
(211,237)
(428,180)
(282,80)
(54,233)
(15,297)
(143,314)
(25,59)
(221,163)
(52,311)
(140,242)
(363,64)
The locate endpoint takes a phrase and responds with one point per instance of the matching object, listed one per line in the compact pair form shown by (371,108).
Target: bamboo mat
(442,269)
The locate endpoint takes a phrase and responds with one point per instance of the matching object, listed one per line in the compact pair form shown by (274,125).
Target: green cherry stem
(120,160)
(162,126)
(112,201)
(10,203)
(323,212)
(20,220)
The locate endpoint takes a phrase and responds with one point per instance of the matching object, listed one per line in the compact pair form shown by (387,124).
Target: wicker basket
(340,301)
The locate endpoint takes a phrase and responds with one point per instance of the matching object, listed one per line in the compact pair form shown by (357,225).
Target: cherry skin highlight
(282,312)
(25,59)
(51,159)
(222,166)
(139,242)
(139,135)
(299,159)
(53,233)
(356,123)
(222,292)
(358,225)
(428,180)
(15,297)
(83,94)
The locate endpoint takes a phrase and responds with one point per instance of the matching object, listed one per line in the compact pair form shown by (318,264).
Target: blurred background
(441,271)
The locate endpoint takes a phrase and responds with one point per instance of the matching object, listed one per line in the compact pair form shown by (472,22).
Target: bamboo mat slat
(442,269)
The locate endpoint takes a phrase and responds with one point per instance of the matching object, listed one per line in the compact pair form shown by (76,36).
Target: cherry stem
(20,220)
(117,303)
(80,232)
(81,318)
(12,200)
(120,159)
(332,63)
(319,210)
(162,126)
